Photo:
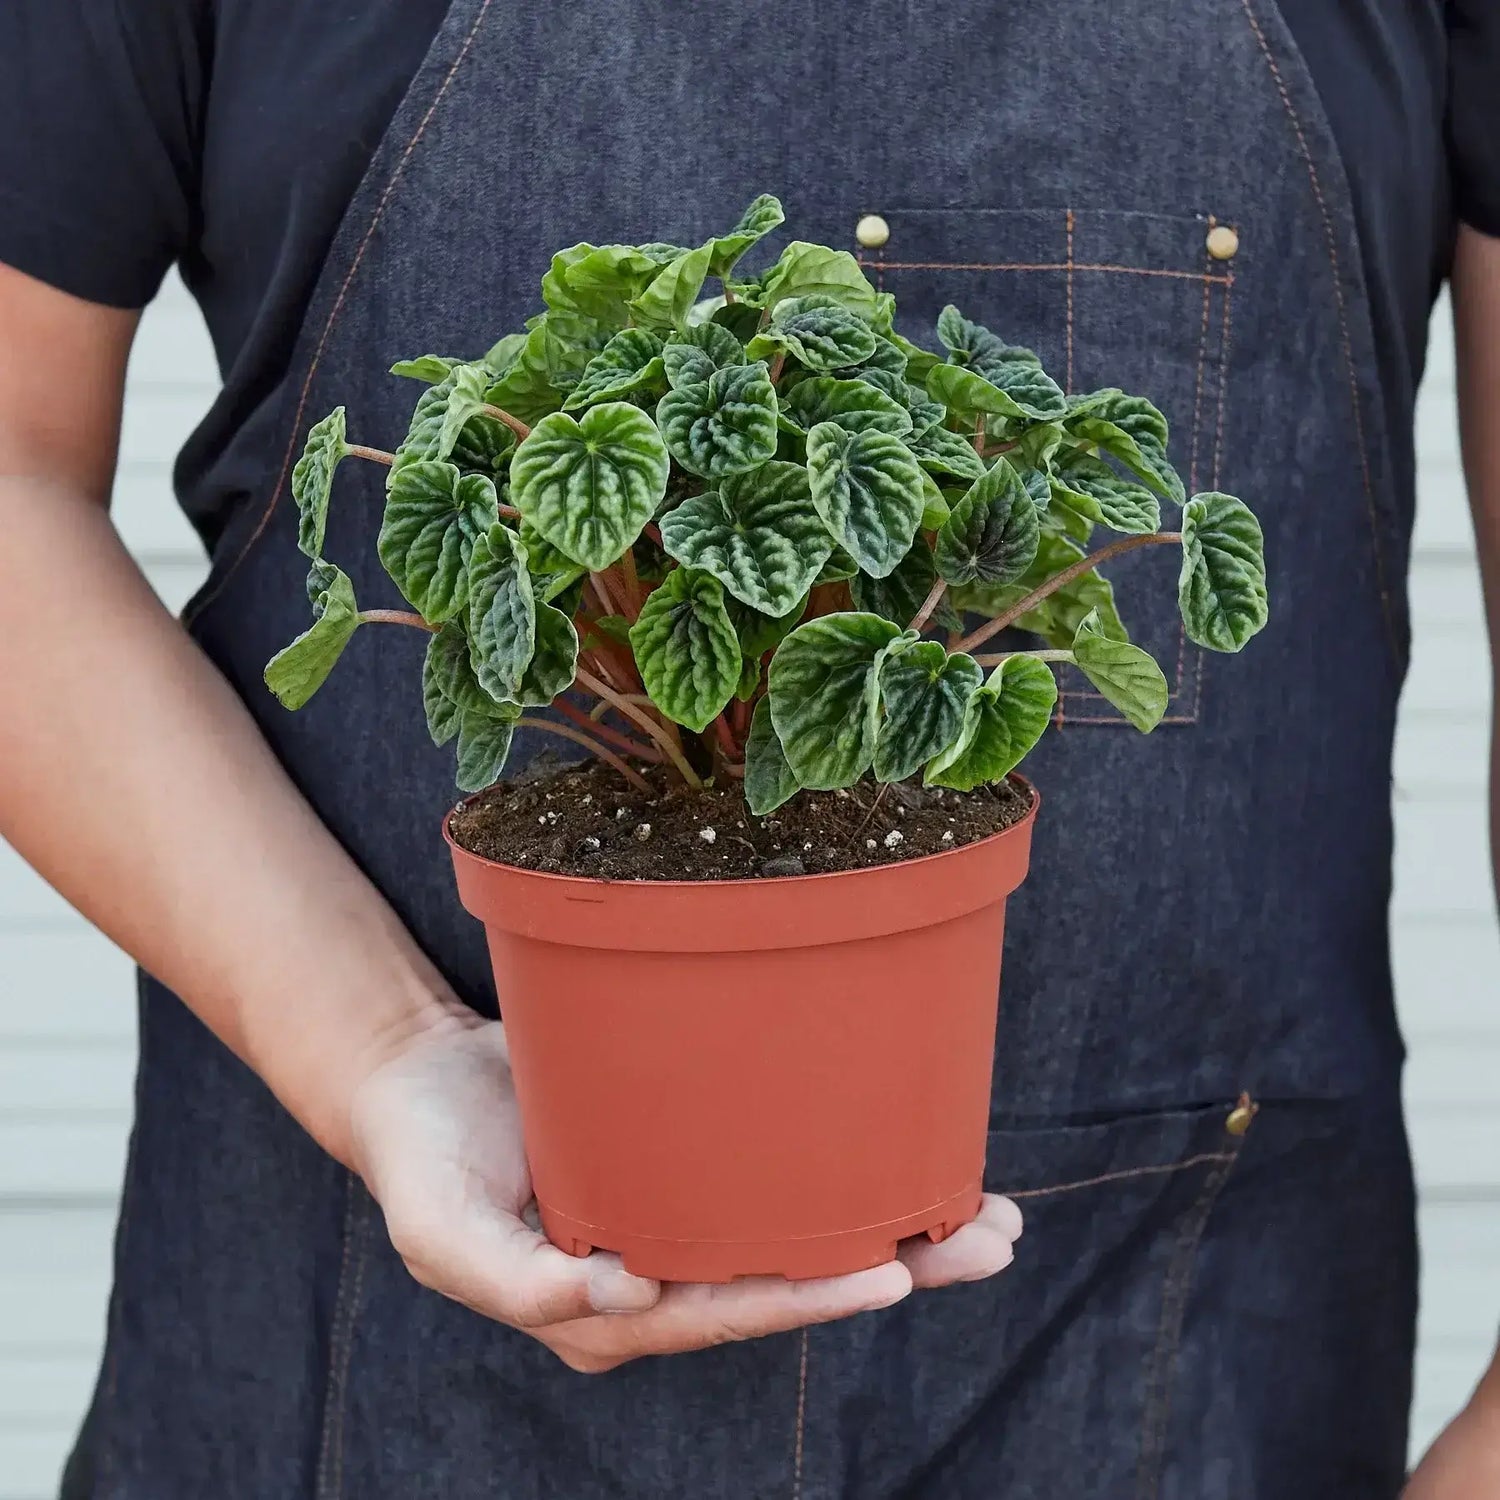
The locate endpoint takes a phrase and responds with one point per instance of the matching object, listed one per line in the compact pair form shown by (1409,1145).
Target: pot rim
(1021,827)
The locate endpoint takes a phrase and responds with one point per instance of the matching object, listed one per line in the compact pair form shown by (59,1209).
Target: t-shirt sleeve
(1474,111)
(100,120)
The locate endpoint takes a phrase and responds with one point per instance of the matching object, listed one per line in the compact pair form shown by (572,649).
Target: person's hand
(437,1139)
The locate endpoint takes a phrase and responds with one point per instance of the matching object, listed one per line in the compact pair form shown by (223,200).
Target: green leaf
(935,506)
(450,690)
(483,748)
(920,362)
(692,356)
(926,693)
(1021,389)
(687,649)
(669,299)
(887,359)
(465,399)
(1125,674)
(1057,617)
(839,567)
(502,612)
(991,535)
(432,515)
(630,363)
(1101,493)
(757,221)
(769,780)
(758,534)
(554,662)
(1222,587)
(942,452)
(504,353)
(1038,484)
(855,405)
(825,696)
(821,336)
(899,595)
(868,490)
(296,672)
(312,479)
(597,282)
(815,270)
(1130,429)
(526,390)
(1002,721)
(590,486)
(722,425)
(431,368)
(758,632)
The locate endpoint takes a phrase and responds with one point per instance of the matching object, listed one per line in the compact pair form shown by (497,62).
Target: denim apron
(1194,1314)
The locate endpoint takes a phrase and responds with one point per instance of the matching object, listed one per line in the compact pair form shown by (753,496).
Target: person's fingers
(497,1265)
(698,1317)
(978,1250)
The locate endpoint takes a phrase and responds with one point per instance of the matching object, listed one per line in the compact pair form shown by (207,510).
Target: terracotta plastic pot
(719,1079)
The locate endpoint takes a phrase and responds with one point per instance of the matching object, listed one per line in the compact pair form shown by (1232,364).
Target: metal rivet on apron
(1223,242)
(1241,1115)
(872,231)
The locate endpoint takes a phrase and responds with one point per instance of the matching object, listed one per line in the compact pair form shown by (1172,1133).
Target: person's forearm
(136,782)
(1476,320)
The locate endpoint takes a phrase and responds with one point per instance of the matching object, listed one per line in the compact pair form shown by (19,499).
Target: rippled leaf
(815,270)
(868,490)
(312,479)
(692,356)
(757,221)
(757,533)
(629,364)
(942,452)
(820,334)
(1002,721)
(854,405)
(1222,587)
(722,425)
(990,535)
(1125,674)
(687,649)
(825,697)
(926,692)
(666,303)
(1130,429)
(1099,492)
(589,486)
(297,671)
(502,612)
(433,513)
(769,779)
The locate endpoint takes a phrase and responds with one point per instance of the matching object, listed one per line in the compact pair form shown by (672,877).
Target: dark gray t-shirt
(227,136)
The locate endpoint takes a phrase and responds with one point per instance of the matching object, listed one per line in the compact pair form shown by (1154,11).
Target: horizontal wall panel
(72,984)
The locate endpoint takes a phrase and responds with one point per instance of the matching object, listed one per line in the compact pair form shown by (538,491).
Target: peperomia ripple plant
(745,515)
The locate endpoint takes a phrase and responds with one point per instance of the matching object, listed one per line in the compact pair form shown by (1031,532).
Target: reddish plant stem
(725,736)
(515,424)
(737,771)
(589,743)
(395,617)
(374,455)
(652,530)
(625,742)
(509,512)
(776,364)
(601,708)
(629,584)
(979,435)
(994,450)
(670,748)
(929,605)
(997,657)
(605,593)
(1076,570)
(739,721)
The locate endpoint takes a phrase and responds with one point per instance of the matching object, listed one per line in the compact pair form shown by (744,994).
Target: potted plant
(753,552)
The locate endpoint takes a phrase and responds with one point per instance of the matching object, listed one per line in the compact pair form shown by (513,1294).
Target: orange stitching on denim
(1338,293)
(801,1416)
(1068,386)
(956,265)
(1129,1172)
(1198,383)
(1179,1280)
(199,605)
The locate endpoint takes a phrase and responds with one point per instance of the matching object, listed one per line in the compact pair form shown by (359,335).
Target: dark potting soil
(586,820)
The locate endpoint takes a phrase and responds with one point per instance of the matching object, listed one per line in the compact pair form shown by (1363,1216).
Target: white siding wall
(66,1019)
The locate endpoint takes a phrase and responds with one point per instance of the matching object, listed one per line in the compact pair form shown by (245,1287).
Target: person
(1241,213)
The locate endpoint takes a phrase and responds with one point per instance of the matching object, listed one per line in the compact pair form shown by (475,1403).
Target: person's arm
(1464,1463)
(133,779)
